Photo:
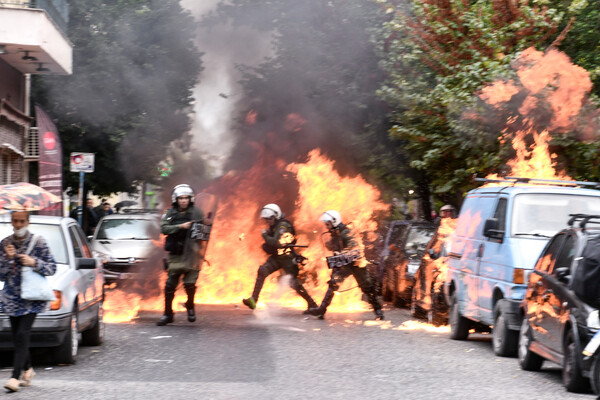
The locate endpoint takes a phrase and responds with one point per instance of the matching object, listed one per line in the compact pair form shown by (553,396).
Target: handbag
(34,286)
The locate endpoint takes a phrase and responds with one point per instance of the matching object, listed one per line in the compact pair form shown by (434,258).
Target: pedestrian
(278,238)
(102,210)
(345,249)
(184,259)
(16,251)
(89,219)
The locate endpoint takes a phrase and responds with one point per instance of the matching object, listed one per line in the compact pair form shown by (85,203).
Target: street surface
(234,353)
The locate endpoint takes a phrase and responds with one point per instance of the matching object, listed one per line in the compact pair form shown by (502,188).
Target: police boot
(167,317)
(322,309)
(374,301)
(189,305)
(304,294)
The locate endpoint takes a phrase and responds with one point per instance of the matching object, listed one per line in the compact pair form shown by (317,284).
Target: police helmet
(182,190)
(447,207)
(331,216)
(271,210)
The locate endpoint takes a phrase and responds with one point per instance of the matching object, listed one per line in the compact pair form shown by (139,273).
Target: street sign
(82,162)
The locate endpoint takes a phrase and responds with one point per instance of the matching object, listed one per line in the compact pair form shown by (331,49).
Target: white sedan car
(78,285)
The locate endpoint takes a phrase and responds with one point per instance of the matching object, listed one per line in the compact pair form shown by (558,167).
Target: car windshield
(120,229)
(417,240)
(543,214)
(52,234)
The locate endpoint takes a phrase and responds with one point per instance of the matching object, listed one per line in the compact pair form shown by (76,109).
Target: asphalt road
(234,353)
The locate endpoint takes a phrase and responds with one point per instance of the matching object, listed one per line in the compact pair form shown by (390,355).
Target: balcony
(33,37)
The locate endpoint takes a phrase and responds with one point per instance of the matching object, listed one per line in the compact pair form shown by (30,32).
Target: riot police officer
(183,260)
(278,238)
(341,243)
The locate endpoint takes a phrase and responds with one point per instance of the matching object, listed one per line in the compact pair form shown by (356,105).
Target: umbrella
(24,196)
(125,203)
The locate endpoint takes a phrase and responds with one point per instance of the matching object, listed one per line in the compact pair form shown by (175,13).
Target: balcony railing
(58,10)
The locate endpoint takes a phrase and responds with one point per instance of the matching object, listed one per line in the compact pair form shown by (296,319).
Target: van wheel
(459,325)
(504,339)
(571,373)
(66,352)
(528,360)
(595,376)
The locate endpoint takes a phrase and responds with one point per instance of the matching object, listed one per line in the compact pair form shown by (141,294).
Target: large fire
(545,80)
(234,252)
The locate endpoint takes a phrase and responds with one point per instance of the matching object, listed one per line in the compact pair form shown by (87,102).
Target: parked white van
(500,233)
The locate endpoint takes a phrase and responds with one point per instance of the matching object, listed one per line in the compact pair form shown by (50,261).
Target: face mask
(21,232)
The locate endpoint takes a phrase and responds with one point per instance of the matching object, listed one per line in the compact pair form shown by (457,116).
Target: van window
(566,254)
(545,262)
(500,214)
(474,211)
(545,214)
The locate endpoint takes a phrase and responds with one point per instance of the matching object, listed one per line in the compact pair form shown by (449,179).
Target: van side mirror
(490,229)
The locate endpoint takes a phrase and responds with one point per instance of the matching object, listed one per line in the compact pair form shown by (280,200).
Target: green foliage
(438,55)
(134,68)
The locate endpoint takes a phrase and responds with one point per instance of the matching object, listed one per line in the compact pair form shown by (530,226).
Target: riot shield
(200,230)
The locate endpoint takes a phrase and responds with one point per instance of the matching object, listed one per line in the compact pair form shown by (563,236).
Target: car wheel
(435,316)
(571,373)
(504,339)
(95,335)
(528,360)
(595,375)
(459,325)
(415,310)
(66,352)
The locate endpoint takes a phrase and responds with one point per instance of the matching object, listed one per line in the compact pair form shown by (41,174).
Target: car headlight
(103,256)
(593,320)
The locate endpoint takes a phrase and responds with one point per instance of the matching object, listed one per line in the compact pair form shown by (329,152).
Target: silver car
(128,244)
(78,285)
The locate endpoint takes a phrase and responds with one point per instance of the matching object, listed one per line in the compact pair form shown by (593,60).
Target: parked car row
(524,261)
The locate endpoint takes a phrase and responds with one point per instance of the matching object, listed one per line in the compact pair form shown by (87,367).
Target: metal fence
(58,10)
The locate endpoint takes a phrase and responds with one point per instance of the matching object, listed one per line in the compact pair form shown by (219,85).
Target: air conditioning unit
(32,152)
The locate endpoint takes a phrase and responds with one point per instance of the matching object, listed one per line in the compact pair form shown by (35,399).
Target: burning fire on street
(304,189)
(234,251)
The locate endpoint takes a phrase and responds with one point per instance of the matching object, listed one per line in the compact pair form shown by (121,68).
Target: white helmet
(331,216)
(182,190)
(271,210)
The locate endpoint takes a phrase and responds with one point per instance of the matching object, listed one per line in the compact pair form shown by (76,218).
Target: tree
(135,65)
(438,54)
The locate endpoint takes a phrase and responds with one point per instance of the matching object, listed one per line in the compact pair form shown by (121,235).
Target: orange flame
(234,252)
(544,77)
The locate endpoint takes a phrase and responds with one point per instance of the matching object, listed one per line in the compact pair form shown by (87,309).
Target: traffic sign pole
(80,217)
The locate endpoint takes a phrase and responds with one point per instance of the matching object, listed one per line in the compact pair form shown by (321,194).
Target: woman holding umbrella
(16,251)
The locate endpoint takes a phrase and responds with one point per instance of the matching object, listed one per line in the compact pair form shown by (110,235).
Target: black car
(560,316)
(427,299)
(404,246)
